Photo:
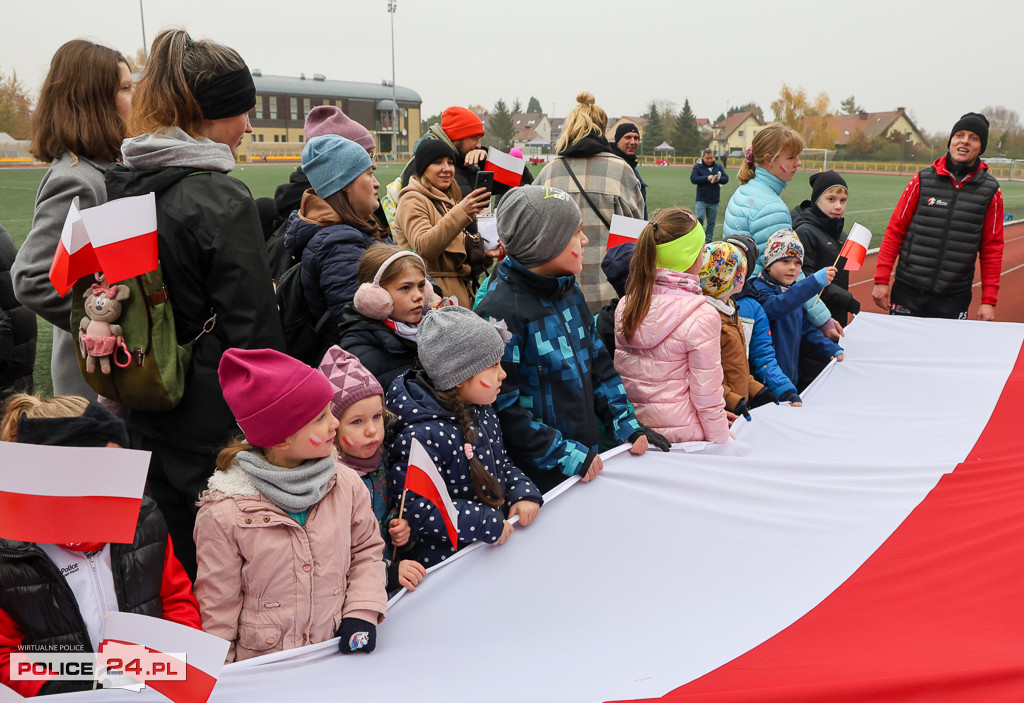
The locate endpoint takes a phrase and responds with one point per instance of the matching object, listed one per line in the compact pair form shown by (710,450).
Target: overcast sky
(938,59)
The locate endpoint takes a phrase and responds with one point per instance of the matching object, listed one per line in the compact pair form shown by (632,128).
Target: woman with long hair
(190,113)
(432,218)
(77,127)
(601,183)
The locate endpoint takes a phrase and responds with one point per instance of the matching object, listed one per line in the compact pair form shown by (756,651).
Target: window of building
(259,108)
(261,137)
(740,133)
(305,106)
(275,137)
(301,137)
(294,108)
(273,107)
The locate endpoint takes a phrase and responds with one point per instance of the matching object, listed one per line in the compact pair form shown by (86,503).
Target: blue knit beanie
(332,162)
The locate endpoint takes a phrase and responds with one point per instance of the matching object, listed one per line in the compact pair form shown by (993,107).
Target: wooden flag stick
(401,509)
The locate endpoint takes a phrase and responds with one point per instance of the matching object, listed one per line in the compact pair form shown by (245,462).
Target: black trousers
(905,300)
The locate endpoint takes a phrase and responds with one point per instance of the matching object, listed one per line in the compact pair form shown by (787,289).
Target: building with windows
(282,103)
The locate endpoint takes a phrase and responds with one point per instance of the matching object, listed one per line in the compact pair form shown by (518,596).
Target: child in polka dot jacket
(446,406)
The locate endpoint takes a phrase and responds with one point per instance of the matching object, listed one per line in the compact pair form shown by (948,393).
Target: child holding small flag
(782,295)
(43,611)
(560,379)
(288,546)
(446,408)
(667,340)
(358,404)
(819,224)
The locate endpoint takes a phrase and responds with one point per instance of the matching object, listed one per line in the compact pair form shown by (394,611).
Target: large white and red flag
(180,662)
(62,495)
(423,479)
(624,229)
(855,248)
(507,168)
(118,238)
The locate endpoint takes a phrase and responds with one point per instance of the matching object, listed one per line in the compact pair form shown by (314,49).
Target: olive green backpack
(148,366)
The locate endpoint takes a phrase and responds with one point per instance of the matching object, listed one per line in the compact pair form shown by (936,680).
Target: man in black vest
(950,215)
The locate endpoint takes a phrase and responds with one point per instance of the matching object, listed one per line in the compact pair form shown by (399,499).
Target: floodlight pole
(392,9)
(142,23)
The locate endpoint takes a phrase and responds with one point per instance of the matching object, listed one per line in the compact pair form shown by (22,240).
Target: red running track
(1011,285)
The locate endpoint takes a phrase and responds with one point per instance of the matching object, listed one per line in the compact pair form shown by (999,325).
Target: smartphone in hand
(484,179)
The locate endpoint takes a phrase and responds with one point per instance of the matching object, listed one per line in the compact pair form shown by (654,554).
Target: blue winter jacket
(790,326)
(708,192)
(330,259)
(560,377)
(757,209)
(761,351)
(421,417)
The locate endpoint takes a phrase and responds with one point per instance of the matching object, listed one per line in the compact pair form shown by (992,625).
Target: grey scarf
(292,490)
(173,146)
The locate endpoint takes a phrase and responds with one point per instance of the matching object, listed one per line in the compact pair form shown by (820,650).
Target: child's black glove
(655,439)
(356,636)
(763,397)
(742,409)
(790,397)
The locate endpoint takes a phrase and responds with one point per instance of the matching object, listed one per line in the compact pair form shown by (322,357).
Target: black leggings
(909,301)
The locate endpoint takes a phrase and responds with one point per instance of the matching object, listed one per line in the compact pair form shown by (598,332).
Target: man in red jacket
(949,216)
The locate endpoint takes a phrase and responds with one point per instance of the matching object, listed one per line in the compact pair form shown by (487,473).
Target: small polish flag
(123,235)
(71,494)
(74,257)
(160,639)
(423,479)
(855,248)
(117,238)
(507,168)
(623,230)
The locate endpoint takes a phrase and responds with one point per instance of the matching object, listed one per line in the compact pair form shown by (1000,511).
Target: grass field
(872,198)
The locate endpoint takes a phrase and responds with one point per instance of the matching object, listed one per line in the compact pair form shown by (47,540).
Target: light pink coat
(672,368)
(266,583)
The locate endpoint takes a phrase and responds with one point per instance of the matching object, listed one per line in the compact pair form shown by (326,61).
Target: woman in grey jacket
(77,127)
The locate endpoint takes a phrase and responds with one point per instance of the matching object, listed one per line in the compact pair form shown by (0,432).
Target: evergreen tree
(850,106)
(688,139)
(654,133)
(534,105)
(517,107)
(500,126)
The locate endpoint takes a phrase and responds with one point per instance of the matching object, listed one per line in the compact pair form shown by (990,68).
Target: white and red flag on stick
(855,248)
(422,478)
(507,168)
(65,495)
(178,661)
(623,230)
(118,238)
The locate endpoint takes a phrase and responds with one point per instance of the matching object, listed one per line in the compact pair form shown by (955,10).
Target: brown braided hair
(487,488)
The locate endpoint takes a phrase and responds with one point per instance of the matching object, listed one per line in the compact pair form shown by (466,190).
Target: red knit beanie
(271,395)
(460,123)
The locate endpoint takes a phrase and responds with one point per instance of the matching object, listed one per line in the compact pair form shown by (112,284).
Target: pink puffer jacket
(672,368)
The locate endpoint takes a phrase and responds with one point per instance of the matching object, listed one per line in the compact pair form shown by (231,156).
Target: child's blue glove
(790,397)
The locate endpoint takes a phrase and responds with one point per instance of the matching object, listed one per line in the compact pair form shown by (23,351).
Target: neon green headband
(680,254)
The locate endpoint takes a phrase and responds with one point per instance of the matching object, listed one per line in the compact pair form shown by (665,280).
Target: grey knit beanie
(455,344)
(536,223)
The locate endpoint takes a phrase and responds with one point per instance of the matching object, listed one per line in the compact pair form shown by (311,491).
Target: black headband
(95,428)
(227,95)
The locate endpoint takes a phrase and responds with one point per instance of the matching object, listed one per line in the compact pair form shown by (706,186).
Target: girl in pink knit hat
(275,570)
(358,404)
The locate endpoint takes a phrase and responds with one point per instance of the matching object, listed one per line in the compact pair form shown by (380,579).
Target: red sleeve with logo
(176,592)
(991,251)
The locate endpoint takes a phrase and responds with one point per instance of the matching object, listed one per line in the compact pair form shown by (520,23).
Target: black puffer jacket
(36,596)
(822,237)
(384,354)
(214,260)
(17,328)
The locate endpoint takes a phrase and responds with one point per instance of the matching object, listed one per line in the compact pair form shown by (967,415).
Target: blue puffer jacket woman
(422,417)
(757,209)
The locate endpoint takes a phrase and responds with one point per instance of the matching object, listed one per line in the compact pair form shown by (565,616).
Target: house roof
(732,122)
(320,87)
(872,123)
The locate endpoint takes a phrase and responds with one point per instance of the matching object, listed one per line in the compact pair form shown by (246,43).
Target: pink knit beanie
(349,379)
(271,395)
(328,119)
